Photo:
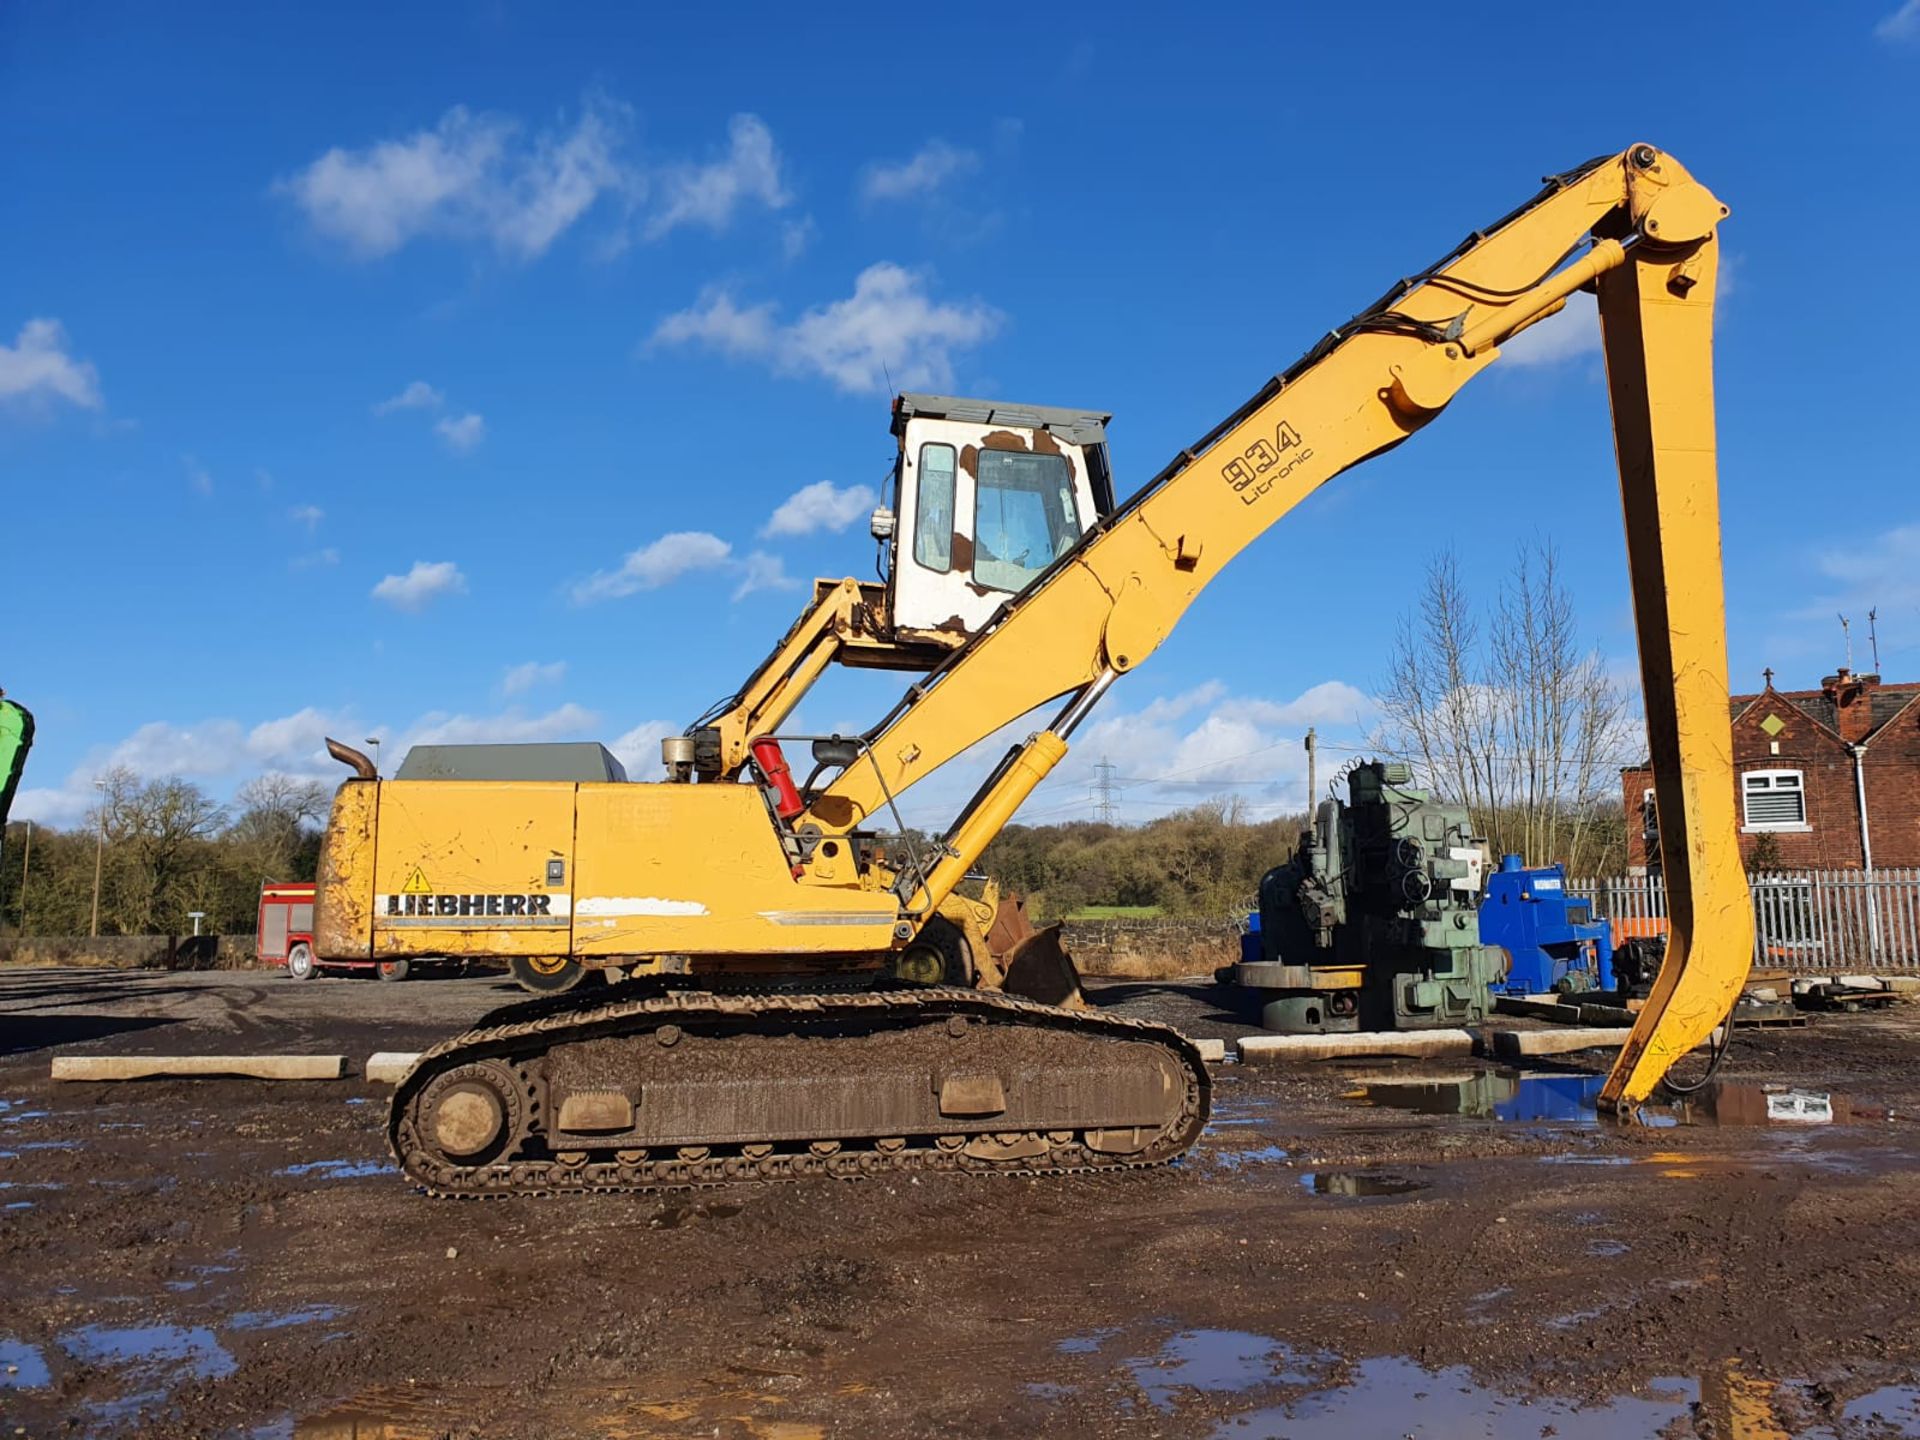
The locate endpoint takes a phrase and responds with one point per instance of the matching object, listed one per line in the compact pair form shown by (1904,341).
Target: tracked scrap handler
(1013,581)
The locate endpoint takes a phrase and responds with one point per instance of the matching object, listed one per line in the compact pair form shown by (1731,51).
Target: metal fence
(1816,920)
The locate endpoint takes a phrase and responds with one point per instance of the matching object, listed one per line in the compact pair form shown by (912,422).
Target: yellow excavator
(845,1008)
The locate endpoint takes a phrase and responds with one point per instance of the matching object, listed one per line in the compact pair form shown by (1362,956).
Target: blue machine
(1555,943)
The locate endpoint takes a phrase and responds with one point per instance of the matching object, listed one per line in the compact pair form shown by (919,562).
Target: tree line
(1202,862)
(164,848)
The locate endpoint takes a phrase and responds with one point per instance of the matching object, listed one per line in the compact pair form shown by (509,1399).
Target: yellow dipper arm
(1108,604)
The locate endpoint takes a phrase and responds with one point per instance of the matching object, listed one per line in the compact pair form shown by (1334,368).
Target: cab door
(984,510)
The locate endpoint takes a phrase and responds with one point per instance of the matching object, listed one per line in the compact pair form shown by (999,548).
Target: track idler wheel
(473,1115)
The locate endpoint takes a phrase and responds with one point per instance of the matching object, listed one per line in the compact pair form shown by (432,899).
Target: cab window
(933,509)
(1024,517)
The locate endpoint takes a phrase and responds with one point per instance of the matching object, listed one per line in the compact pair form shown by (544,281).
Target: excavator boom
(1636,227)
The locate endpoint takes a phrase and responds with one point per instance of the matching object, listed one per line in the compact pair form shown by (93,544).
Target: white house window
(1774,800)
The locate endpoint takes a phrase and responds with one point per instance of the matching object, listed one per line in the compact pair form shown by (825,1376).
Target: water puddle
(1892,1407)
(22,1366)
(1237,1159)
(1606,1249)
(1087,1341)
(1397,1397)
(152,1359)
(342,1169)
(672,1217)
(1358,1184)
(281,1319)
(1222,1360)
(1529,1097)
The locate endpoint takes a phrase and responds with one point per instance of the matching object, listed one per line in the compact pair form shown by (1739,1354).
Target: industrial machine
(1014,580)
(1371,925)
(16,738)
(1552,941)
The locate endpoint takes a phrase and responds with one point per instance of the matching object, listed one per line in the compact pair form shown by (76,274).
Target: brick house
(1809,763)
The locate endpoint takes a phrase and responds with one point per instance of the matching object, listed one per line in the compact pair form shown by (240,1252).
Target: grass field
(1116,912)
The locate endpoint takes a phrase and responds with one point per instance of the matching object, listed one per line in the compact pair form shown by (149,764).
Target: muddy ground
(231,1258)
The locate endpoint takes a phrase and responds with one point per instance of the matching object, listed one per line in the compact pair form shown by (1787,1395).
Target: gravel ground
(1379,1249)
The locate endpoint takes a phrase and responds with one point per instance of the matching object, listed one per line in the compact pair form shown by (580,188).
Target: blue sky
(465,372)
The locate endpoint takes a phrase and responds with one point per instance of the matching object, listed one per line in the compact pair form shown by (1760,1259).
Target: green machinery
(16,738)
(1374,922)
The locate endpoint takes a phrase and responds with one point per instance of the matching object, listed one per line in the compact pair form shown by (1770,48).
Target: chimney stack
(1851,696)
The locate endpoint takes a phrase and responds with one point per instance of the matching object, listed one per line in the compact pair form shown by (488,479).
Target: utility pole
(25,868)
(1104,791)
(99,851)
(1313,779)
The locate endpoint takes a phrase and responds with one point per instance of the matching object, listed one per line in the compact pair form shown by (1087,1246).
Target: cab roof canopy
(580,761)
(1076,427)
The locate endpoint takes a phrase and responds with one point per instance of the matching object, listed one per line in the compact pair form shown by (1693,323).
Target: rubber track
(856,1159)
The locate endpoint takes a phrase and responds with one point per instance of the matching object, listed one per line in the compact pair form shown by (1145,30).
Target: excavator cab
(987,495)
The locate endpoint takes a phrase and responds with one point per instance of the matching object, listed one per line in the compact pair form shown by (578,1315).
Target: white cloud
(653,565)
(888,328)
(1881,572)
(461,434)
(417,396)
(796,236)
(1173,752)
(37,369)
(932,166)
(708,195)
(470,177)
(315,559)
(566,722)
(820,506)
(425,582)
(1902,24)
(307,515)
(639,749)
(197,476)
(1574,332)
(521,678)
(223,753)
(761,571)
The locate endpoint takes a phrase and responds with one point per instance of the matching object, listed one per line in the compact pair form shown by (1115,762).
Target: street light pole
(26,865)
(99,850)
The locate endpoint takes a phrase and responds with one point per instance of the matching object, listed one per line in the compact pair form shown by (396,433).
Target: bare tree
(154,829)
(1521,727)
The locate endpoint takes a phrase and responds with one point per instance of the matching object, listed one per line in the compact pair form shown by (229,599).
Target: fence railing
(1813,920)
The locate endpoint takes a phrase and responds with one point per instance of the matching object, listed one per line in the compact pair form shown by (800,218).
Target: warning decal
(416,884)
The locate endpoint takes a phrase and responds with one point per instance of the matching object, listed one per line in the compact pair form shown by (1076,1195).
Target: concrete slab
(152,1067)
(1292,1049)
(1536,1007)
(390,1067)
(1516,1044)
(1513,1044)
(1212,1050)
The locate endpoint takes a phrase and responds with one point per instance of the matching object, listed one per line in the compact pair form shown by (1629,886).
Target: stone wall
(1151,949)
(131,952)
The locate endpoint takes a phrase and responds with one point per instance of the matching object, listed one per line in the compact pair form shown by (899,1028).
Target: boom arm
(1109,603)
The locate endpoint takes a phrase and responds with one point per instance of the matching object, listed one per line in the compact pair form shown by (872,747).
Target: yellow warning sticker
(416,884)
